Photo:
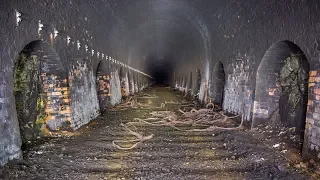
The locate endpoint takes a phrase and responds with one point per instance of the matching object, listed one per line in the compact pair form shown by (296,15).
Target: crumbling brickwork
(58,109)
(312,131)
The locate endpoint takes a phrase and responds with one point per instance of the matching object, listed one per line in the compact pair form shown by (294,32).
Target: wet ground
(170,154)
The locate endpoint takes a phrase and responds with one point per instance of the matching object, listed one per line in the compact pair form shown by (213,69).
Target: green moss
(41,105)
(30,98)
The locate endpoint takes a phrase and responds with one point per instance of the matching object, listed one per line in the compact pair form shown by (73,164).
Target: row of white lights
(56,32)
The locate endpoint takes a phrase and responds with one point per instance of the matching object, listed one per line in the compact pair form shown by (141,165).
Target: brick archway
(41,91)
(282,87)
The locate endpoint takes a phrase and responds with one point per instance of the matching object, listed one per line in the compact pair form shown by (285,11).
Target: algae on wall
(293,80)
(29,95)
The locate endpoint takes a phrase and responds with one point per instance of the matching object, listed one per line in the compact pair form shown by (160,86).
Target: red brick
(311,84)
(317,91)
(312,73)
(317,79)
(311,79)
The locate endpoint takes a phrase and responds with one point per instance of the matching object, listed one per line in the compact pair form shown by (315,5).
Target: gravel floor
(170,154)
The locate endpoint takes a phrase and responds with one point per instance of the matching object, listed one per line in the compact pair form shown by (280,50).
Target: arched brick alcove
(103,84)
(218,82)
(41,91)
(282,87)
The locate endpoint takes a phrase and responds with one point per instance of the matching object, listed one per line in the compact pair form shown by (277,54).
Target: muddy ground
(171,154)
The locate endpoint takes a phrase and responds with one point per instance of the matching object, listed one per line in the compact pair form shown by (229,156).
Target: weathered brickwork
(215,30)
(239,88)
(312,130)
(103,83)
(125,90)
(136,85)
(83,95)
(103,88)
(197,83)
(115,88)
(131,83)
(58,110)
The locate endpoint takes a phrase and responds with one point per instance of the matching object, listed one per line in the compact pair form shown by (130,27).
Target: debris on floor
(160,134)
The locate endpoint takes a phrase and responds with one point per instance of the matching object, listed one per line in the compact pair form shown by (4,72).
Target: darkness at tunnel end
(160,69)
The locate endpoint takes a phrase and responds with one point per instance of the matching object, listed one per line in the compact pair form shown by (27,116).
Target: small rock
(276,145)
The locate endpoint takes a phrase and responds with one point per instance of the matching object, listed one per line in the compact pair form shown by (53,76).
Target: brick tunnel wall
(242,33)
(235,33)
(72,34)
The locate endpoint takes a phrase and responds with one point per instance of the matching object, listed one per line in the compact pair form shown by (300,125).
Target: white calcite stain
(84,99)
(115,88)
(127,85)
(204,86)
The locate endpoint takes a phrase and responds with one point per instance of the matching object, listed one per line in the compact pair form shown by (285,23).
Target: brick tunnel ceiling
(158,34)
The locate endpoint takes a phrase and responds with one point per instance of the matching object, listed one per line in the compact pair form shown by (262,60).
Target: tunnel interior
(69,65)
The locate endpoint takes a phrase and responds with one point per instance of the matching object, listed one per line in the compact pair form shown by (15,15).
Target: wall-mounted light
(18,17)
(40,26)
(78,44)
(55,33)
(68,40)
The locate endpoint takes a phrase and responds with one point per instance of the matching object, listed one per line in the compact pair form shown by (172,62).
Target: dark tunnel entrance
(160,69)
(282,87)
